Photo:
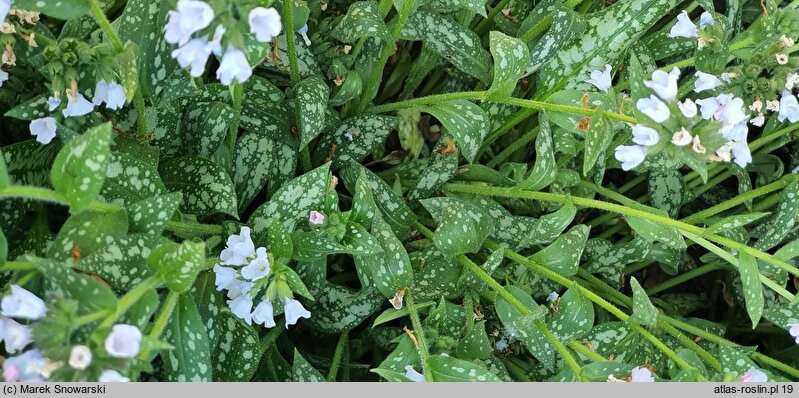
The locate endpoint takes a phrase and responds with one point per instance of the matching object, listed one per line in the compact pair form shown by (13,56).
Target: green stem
(162,319)
(48,195)
(237,94)
(105,25)
(418,330)
(17,266)
(130,298)
(342,341)
(89,318)
(141,115)
(193,229)
(291,40)
(484,25)
(587,352)
(740,199)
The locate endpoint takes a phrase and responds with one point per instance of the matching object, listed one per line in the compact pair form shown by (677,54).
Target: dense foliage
(406,190)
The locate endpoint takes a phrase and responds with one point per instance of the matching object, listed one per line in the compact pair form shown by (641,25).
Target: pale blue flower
(304,33)
(43,129)
(234,67)
(553,296)
(241,306)
(15,335)
(705,81)
(111,93)
(789,108)
(664,84)
(412,375)
(601,79)
(754,376)
(645,136)
(641,375)
(5,7)
(191,16)
(630,156)
(193,55)
(53,103)
(264,23)
(706,19)
(684,27)
(79,106)
(687,108)
(259,266)
(225,277)
(238,248)
(264,314)
(316,218)
(654,108)
(3,74)
(794,331)
(23,304)
(294,311)
(112,376)
(26,367)
(124,341)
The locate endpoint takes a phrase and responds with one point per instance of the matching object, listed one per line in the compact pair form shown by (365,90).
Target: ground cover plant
(406,190)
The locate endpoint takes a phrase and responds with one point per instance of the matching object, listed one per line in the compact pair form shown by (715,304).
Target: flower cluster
(685,28)
(187,27)
(716,130)
(123,342)
(8,56)
(244,273)
(112,94)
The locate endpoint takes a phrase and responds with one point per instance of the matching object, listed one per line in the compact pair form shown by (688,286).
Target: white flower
(412,375)
(552,296)
(601,79)
(681,137)
(124,341)
(264,23)
(732,109)
(193,55)
(16,335)
(705,81)
(80,357)
(238,288)
(786,41)
(654,108)
(191,16)
(684,27)
(757,105)
(724,152)
(238,249)
(26,367)
(742,154)
(782,59)
(304,33)
(112,376)
(43,129)
(727,77)
(706,19)
(641,375)
(3,75)
(791,80)
(754,376)
(789,108)
(53,103)
(688,108)
(316,218)
(264,314)
(397,300)
(234,66)
(259,266)
(78,106)
(758,121)
(708,107)
(294,311)
(664,84)
(773,105)
(630,156)
(645,136)
(23,304)
(501,344)
(5,6)
(697,145)
(794,331)
(112,94)
(241,306)
(225,276)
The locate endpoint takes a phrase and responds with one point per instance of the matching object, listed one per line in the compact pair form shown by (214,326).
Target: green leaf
(254,158)
(204,127)
(362,20)
(597,139)
(510,62)
(566,26)
(87,231)
(449,39)
(279,240)
(523,325)
(474,344)
(177,265)
(205,185)
(449,369)
(550,226)
(395,211)
(79,169)
(666,190)
(752,289)
(643,310)
(391,269)
(563,255)
(545,169)
(354,139)
(466,122)
(302,371)
(733,222)
(459,230)
(3,247)
(92,294)
(4,180)
(122,262)
(364,208)
(441,168)
(129,180)
(149,216)
(783,221)
(311,246)
(575,316)
(444,6)
(608,35)
(191,358)
(599,371)
(61,9)
(292,202)
(653,231)
(311,102)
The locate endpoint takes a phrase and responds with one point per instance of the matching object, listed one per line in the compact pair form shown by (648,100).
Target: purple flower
(316,218)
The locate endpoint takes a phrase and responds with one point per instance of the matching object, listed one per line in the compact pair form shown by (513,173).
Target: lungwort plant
(406,190)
